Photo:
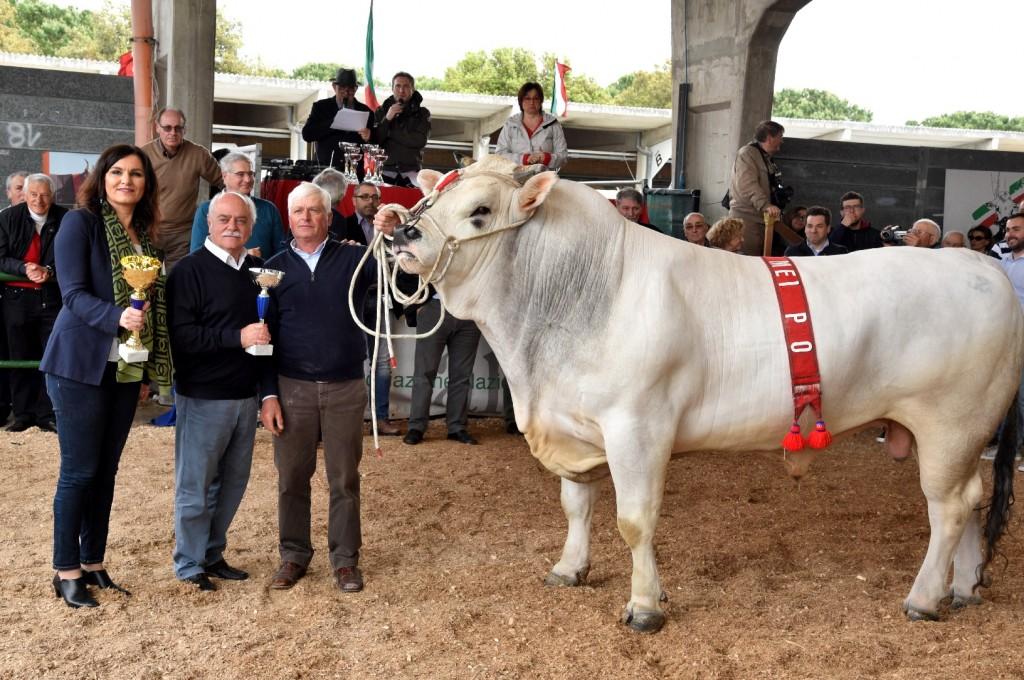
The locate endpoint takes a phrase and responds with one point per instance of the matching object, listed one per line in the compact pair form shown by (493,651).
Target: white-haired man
(924,233)
(27,234)
(15,186)
(695,229)
(316,390)
(212,317)
(267,236)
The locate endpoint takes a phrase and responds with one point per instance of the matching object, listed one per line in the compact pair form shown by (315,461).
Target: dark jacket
(89,321)
(405,136)
(318,129)
(856,239)
(803,250)
(16,232)
(346,228)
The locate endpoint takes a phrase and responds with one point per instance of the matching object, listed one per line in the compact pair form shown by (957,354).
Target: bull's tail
(1002,490)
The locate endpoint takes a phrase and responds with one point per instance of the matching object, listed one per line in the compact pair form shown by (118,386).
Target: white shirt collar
(223,255)
(817,251)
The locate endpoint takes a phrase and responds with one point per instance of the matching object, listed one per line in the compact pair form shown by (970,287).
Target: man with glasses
(318,128)
(179,165)
(924,233)
(854,232)
(695,228)
(267,236)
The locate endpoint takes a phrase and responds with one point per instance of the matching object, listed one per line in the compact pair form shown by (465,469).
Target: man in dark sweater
(27,233)
(213,319)
(316,388)
(854,232)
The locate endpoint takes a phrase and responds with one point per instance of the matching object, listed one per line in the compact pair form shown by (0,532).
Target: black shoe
(202,581)
(222,569)
(101,579)
(73,591)
(19,426)
(412,437)
(462,437)
(47,425)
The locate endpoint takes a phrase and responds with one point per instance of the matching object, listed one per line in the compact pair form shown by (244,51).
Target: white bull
(623,347)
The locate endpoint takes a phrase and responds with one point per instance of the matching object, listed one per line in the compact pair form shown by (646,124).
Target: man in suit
(27,233)
(816,231)
(318,126)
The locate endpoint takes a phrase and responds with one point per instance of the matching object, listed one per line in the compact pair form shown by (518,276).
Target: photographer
(755,186)
(924,234)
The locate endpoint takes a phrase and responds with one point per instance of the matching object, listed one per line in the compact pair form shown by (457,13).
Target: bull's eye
(482,210)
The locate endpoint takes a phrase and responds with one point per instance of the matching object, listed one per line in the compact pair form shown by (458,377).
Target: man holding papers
(337,119)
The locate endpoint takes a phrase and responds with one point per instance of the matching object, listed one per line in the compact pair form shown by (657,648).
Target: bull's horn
(525,172)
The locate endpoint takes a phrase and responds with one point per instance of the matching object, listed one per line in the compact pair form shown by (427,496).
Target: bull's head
(449,230)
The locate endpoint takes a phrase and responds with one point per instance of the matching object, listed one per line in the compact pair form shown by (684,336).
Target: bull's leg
(639,485)
(968,557)
(951,501)
(578,503)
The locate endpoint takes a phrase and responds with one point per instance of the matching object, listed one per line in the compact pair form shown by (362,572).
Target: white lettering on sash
(801,346)
(798,317)
(783,284)
(785,272)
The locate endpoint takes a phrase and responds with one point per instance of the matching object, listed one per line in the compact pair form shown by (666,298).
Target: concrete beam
(185,31)
(840,135)
(656,136)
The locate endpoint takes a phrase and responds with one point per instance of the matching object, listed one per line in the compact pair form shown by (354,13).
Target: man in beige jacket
(749,186)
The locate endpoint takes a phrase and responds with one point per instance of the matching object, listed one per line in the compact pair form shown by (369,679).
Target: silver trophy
(265,279)
(379,156)
(352,153)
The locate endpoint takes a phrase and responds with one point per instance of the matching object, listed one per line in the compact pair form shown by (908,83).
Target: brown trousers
(332,411)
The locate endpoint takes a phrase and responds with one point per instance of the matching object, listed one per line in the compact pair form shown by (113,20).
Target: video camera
(893,235)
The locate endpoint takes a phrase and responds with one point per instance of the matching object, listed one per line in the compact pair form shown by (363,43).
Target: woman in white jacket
(533,136)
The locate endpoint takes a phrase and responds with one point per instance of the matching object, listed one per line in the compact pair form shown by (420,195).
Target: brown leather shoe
(348,579)
(287,575)
(386,427)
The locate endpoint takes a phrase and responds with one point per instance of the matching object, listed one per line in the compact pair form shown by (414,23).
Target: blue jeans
(382,369)
(92,427)
(212,457)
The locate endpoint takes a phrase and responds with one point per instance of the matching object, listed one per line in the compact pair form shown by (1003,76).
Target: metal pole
(679,155)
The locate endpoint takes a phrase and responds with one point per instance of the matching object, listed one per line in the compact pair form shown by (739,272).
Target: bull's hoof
(577,578)
(962,601)
(643,621)
(915,614)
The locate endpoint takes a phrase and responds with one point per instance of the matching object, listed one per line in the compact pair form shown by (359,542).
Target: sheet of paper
(349,119)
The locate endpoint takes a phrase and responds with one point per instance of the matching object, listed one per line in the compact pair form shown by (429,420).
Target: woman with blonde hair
(727,234)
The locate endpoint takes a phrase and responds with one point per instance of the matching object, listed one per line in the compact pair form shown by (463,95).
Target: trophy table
(140,271)
(265,279)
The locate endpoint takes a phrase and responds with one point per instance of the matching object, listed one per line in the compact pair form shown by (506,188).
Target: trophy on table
(265,279)
(352,153)
(379,156)
(140,271)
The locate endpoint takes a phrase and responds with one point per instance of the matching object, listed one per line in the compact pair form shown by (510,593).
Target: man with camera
(853,231)
(755,187)
(817,228)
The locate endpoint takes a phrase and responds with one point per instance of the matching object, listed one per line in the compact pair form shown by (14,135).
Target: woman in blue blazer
(93,393)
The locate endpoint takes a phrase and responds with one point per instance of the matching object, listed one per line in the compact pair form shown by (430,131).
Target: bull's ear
(428,179)
(536,190)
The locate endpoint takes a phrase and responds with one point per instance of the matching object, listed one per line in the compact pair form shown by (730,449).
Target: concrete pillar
(726,50)
(185,32)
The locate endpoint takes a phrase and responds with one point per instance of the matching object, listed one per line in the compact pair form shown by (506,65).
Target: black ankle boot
(73,591)
(101,579)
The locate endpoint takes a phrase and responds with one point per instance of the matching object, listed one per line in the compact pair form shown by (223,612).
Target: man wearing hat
(318,126)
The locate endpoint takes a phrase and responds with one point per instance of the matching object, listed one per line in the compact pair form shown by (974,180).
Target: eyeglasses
(978,238)
(366,197)
(172,128)
(243,174)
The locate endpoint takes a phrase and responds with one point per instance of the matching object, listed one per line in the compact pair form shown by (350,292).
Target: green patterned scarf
(154,334)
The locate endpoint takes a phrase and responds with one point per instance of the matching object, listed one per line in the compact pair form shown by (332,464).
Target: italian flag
(985,216)
(559,99)
(1016,191)
(369,96)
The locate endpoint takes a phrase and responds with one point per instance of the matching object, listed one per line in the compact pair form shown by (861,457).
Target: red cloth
(127,62)
(34,252)
(276,191)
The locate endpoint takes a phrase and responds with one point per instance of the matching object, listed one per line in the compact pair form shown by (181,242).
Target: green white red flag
(369,96)
(559,97)
(985,215)
(1016,191)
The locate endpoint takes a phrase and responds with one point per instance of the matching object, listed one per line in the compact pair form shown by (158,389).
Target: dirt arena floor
(766,578)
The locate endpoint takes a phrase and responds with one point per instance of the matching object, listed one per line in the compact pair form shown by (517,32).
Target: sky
(900,59)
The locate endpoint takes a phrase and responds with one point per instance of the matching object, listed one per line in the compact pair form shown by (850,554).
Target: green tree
(430,83)
(11,37)
(816,105)
(651,89)
(320,70)
(578,87)
(974,120)
(49,27)
(501,72)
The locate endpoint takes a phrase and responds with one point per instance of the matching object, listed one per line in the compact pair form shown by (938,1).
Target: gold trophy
(265,279)
(140,271)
